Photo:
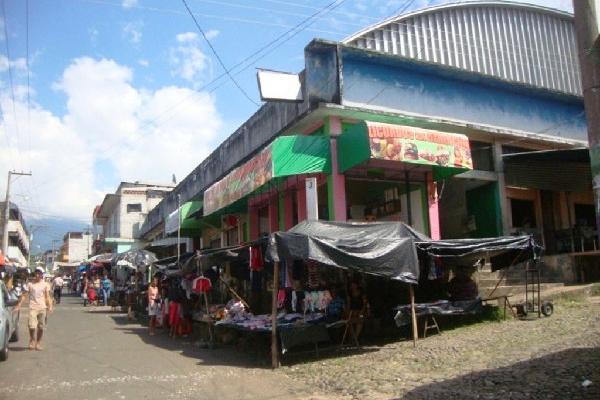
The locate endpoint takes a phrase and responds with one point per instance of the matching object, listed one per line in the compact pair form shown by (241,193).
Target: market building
(452,119)
(76,247)
(18,236)
(121,215)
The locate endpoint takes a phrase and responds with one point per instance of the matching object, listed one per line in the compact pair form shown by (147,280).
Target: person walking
(40,305)
(153,305)
(57,285)
(106,285)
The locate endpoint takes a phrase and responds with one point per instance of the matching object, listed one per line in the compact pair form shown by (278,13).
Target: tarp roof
(382,248)
(389,249)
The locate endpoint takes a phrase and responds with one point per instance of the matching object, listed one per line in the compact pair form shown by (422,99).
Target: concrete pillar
(588,41)
(499,168)
(301,201)
(274,213)
(288,217)
(434,208)
(253,224)
(336,181)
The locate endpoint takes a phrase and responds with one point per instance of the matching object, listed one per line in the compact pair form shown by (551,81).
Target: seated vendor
(462,287)
(335,309)
(359,307)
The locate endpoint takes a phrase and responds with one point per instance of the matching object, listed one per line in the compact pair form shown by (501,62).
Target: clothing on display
(256,258)
(313,275)
(201,285)
(436,268)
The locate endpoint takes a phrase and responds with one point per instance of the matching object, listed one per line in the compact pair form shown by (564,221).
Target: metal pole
(408,202)
(178,228)
(274,347)
(6,218)
(7,211)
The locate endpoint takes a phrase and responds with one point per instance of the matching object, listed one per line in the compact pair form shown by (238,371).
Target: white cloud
(187,59)
(133,31)
(129,3)
(19,64)
(212,33)
(141,134)
(187,37)
(143,62)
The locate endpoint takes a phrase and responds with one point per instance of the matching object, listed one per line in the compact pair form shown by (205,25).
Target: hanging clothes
(313,275)
(256,258)
(201,285)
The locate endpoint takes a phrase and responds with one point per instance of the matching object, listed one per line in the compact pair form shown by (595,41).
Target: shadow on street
(555,376)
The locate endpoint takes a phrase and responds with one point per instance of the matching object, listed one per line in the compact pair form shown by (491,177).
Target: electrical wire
(214,51)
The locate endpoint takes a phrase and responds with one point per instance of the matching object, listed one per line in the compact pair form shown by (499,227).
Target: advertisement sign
(239,182)
(419,146)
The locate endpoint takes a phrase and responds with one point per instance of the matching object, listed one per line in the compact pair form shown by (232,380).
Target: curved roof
(518,42)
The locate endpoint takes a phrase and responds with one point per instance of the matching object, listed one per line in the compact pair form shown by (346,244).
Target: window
(134,207)
(523,213)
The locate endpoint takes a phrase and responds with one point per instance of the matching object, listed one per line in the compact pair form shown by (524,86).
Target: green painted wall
(484,204)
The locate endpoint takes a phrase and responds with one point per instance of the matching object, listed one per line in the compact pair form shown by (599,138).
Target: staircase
(510,281)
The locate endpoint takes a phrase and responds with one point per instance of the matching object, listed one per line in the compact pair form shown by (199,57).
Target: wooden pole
(413,314)
(274,347)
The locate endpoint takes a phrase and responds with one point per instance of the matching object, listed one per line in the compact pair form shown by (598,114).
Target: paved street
(95,354)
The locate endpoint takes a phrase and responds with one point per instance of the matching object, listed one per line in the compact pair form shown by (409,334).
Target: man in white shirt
(57,285)
(39,304)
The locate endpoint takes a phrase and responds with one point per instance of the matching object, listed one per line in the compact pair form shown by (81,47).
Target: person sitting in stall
(153,305)
(358,305)
(462,287)
(335,309)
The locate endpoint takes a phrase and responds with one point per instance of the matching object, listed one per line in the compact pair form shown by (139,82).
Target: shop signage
(420,146)
(240,182)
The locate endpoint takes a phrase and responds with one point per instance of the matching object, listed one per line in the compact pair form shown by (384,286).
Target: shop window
(523,213)
(215,243)
(232,237)
(134,207)
(482,155)
(585,215)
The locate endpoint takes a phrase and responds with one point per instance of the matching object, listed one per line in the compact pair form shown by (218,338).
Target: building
(121,215)
(76,247)
(48,259)
(18,236)
(452,119)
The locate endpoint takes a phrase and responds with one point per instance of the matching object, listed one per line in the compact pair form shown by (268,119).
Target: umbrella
(137,258)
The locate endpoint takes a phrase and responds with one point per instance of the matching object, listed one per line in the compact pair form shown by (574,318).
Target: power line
(292,32)
(10,77)
(214,51)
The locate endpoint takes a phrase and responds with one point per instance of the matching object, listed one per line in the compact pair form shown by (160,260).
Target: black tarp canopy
(389,249)
(385,249)
(501,251)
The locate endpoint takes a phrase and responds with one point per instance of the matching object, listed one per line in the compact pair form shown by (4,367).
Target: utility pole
(32,229)
(7,210)
(587,21)
(54,252)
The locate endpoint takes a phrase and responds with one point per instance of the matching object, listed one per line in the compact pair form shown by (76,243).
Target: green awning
(446,153)
(189,224)
(285,156)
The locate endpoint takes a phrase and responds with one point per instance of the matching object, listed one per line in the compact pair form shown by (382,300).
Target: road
(93,353)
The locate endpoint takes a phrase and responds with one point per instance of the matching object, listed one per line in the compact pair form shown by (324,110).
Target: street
(93,353)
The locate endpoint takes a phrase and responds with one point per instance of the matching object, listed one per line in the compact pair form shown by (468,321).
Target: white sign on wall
(312,199)
(279,86)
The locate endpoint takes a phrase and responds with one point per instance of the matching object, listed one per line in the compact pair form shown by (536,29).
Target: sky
(95,92)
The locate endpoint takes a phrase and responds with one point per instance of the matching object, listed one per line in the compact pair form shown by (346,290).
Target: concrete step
(516,290)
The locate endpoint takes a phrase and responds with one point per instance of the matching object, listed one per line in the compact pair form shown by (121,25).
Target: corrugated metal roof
(513,41)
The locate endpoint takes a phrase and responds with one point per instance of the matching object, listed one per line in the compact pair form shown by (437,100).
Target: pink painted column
(434,212)
(254,228)
(273,214)
(301,201)
(336,182)
(288,218)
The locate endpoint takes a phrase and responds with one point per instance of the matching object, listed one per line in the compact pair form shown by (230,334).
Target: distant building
(76,247)
(18,236)
(118,219)
(48,259)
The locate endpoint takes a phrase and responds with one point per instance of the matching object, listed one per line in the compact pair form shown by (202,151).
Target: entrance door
(483,205)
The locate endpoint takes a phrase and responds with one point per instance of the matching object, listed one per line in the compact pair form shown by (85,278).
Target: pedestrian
(57,285)
(40,304)
(85,284)
(153,304)
(106,288)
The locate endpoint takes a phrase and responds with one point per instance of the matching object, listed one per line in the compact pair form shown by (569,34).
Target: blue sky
(119,89)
